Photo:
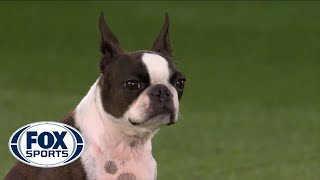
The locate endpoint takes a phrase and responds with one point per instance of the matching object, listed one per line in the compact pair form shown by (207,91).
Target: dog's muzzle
(161,105)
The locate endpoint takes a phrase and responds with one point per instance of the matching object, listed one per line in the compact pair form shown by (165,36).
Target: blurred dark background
(251,105)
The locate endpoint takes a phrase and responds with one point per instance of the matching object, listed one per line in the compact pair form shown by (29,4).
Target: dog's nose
(161,91)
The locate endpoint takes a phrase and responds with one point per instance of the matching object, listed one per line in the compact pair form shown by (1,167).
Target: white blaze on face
(157,67)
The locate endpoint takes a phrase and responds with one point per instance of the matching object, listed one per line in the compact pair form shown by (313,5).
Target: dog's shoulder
(72,171)
(69,120)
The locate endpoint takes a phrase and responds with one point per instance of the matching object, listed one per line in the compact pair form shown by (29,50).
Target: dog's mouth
(167,118)
(134,122)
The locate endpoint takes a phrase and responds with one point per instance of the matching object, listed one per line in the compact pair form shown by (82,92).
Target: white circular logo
(46,144)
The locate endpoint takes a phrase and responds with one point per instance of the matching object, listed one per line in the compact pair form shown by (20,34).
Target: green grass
(251,108)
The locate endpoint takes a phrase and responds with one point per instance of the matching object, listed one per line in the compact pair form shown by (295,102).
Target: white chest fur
(112,150)
(120,163)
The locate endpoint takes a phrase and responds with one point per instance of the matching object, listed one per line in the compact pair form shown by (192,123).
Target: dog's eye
(180,83)
(132,85)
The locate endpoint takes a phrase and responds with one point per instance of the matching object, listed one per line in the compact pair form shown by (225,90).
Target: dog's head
(140,88)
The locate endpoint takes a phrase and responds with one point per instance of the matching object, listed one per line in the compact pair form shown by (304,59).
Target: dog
(136,94)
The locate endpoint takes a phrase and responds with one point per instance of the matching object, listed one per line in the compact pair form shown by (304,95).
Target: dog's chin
(155,120)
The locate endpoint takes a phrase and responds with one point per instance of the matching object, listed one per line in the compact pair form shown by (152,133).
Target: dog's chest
(118,164)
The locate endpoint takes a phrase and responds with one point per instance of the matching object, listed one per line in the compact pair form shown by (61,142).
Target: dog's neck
(108,137)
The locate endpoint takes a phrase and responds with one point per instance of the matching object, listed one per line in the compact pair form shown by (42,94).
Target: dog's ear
(162,43)
(109,43)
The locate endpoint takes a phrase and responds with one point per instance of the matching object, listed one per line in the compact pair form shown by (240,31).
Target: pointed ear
(162,43)
(109,43)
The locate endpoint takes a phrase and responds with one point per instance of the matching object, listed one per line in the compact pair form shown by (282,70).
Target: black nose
(161,91)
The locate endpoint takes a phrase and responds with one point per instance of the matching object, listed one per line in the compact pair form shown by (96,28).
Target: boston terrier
(135,94)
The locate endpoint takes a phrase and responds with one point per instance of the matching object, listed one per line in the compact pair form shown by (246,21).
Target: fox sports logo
(46,144)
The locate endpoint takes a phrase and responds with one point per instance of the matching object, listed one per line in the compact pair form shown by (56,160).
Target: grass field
(251,109)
